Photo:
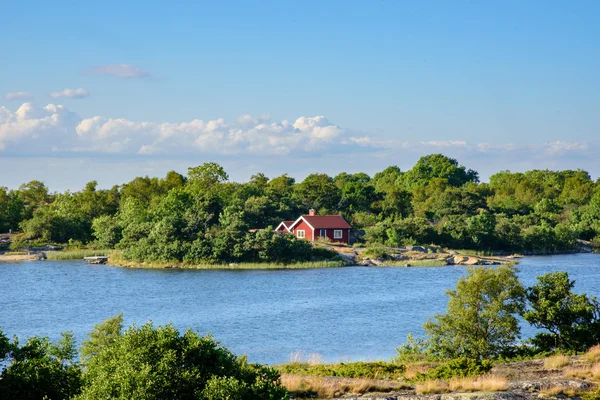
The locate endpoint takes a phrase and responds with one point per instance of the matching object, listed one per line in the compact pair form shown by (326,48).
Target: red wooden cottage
(312,226)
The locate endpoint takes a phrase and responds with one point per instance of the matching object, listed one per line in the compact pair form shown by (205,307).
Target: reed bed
(117,260)
(75,254)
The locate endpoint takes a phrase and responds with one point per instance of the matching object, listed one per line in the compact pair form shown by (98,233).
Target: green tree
(34,194)
(438,166)
(4,346)
(318,191)
(572,321)
(481,317)
(207,175)
(102,336)
(40,369)
(107,230)
(12,210)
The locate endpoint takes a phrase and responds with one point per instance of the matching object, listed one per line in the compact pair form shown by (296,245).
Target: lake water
(348,313)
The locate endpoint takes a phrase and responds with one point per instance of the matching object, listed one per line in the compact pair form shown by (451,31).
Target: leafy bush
(480,321)
(372,370)
(571,321)
(415,350)
(458,368)
(376,251)
(40,369)
(161,363)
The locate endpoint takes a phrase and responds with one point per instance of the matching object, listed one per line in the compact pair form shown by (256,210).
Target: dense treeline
(205,217)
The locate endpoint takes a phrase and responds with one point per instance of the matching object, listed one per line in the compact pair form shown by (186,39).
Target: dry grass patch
(593,354)
(413,370)
(556,362)
(556,390)
(591,372)
(429,387)
(483,383)
(310,358)
(326,387)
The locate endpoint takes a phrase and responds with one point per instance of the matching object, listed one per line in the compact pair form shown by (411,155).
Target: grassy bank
(75,254)
(117,260)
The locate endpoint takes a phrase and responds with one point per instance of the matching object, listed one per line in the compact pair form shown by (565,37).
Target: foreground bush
(481,317)
(160,363)
(570,321)
(139,363)
(360,369)
(39,369)
(458,368)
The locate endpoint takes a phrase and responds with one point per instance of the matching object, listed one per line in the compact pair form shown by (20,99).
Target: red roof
(326,221)
(288,223)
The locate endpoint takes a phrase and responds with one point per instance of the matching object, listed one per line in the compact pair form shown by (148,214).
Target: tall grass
(556,362)
(482,383)
(299,357)
(76,254)
(116,259)
(326,388)
(591,372)
(416,369)
(593,354)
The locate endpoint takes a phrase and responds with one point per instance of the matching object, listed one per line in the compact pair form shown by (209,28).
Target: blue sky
(295,86)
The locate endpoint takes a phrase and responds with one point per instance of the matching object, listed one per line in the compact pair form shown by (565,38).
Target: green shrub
(415,350)
(376,251)
(372,370)
(160,363)
(458,368)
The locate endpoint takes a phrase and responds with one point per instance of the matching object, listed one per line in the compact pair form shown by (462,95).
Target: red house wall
(308,233)
(281,229)
(329,233)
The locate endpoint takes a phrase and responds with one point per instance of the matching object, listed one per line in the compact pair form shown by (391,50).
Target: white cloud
(18,96)
(560,147)
(32,127)
(37,131)
(445,143)
(124,71)
(70,94)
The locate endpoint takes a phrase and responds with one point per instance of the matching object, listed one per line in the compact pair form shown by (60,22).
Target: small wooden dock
(96,259)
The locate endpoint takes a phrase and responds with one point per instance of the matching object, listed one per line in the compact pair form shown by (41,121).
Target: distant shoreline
(394,257)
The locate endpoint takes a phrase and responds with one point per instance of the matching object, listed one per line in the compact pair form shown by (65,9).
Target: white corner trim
(281,223)
(305,221)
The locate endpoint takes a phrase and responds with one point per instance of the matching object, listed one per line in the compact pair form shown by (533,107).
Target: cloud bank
(18,96)
(70,94)
(54,130)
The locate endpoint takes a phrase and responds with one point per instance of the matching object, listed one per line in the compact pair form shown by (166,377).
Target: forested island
(203,217)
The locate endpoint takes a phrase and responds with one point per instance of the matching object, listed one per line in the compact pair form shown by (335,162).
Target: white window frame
(338,234)
(300,235)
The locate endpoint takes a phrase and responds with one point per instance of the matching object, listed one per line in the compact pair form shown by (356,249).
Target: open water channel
(352,313)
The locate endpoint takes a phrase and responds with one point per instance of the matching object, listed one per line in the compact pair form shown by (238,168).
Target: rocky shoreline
(410,256)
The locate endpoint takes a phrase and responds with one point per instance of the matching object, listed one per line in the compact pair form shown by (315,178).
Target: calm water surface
(344,313)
